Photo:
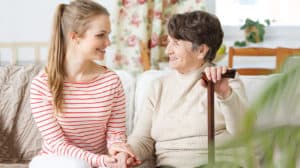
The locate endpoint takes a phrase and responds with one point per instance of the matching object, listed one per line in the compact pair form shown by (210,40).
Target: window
(279,12)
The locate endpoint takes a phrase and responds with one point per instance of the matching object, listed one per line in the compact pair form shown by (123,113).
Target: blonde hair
(74,17)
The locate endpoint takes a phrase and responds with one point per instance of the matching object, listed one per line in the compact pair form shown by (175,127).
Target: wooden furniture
(145,56)
(14,48)
(279,53)
(252,52)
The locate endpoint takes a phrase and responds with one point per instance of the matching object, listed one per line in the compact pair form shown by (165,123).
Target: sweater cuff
(227,99)
(100,161)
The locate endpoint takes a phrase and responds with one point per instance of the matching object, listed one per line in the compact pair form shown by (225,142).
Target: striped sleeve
(116,126)
(52,134)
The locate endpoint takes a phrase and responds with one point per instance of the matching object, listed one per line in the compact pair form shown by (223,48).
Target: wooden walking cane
(211,114)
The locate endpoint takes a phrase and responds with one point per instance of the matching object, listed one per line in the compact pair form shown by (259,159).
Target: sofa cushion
(128,82)
(19,137)
(255,84)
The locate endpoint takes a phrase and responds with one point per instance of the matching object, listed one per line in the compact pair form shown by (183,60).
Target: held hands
(222,87)
(123,155)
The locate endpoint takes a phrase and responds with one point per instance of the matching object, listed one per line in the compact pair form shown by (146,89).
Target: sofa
(19,137)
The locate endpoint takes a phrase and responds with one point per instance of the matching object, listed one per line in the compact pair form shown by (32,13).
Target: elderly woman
(173,122)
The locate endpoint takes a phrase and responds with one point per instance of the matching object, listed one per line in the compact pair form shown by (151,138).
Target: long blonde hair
(68,18)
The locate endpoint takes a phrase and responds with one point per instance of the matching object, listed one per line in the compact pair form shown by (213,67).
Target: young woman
(78,105)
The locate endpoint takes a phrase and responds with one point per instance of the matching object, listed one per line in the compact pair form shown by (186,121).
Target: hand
(222,87)
(110,161)
(120,147)
(123,149)
(124,160)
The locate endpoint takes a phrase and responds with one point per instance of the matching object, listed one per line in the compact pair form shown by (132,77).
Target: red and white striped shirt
(93,117)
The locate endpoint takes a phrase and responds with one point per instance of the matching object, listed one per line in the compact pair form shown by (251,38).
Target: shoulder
(155,80)
(41,78)
(164,79)
(40,83)
(111,77)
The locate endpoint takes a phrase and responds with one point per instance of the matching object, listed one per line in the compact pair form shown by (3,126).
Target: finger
(219,73)
(108,159)
(123,147)
(136,163)
(213,74)
(126,150)
(224,69)
(207,73)
(112,152)
(130,161)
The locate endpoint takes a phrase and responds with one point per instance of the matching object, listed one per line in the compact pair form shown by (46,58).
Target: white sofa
(20,139)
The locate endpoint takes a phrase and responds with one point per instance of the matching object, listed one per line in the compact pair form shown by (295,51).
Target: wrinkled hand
(125,161)
(222,87)
(124,154)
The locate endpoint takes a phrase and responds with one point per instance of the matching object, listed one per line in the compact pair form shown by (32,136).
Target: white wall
(29,20)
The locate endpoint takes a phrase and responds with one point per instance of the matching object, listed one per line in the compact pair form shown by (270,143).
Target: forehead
(99,23)
(184,43)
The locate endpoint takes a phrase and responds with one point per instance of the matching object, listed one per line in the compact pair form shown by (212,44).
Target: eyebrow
(104,31)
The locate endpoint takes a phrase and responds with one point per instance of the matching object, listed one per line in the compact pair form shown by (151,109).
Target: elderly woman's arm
(140,140)
(234,106)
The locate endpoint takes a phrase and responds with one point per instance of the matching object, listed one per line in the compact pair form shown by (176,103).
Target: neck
(76,68)
(191,68)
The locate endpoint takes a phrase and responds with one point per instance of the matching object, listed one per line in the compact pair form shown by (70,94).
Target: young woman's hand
(222,87)
(110,161)
(120,147)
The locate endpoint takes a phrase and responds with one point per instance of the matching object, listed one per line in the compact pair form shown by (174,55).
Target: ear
(202,51)
(73,36)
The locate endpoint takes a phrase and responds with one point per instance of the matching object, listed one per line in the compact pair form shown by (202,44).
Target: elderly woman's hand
(222,87)
(124,154)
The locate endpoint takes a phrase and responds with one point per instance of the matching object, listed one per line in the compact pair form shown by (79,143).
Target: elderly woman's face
(181,55)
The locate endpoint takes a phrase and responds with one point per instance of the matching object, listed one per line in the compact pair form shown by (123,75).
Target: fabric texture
(172,123)
(19,137)
(92,118)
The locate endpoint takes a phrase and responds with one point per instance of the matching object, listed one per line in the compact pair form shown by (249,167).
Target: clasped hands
(121,156)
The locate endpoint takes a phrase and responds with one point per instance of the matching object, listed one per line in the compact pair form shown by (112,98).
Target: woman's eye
(100,35)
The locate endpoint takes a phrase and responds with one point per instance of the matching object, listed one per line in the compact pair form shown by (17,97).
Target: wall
(29,20)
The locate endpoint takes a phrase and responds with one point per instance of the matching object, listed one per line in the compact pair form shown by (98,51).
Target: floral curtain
(138,24)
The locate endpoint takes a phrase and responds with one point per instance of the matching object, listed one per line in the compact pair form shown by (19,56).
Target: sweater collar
(194,73)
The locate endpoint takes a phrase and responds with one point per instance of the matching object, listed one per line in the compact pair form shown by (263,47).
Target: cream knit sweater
(173,122)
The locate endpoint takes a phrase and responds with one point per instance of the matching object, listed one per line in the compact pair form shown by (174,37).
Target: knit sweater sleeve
(50,129)
(141,140)
(235,106)
(116,129)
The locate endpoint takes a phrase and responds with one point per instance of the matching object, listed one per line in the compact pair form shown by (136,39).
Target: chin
(172,65)
(99,57)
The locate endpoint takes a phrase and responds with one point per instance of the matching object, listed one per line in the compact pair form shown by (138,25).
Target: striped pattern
(93,117)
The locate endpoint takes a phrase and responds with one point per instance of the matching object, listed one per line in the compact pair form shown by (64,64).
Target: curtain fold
(139,31)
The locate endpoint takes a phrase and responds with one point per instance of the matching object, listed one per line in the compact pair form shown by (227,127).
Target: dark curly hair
(198,27)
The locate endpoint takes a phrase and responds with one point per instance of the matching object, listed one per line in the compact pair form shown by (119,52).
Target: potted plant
(254,31)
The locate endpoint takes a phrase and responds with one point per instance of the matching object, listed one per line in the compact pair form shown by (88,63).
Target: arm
(231,97)
(50,129)
(140,140)
(116,126)
(234,106)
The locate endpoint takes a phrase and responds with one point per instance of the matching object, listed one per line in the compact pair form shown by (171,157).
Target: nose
(107,42)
